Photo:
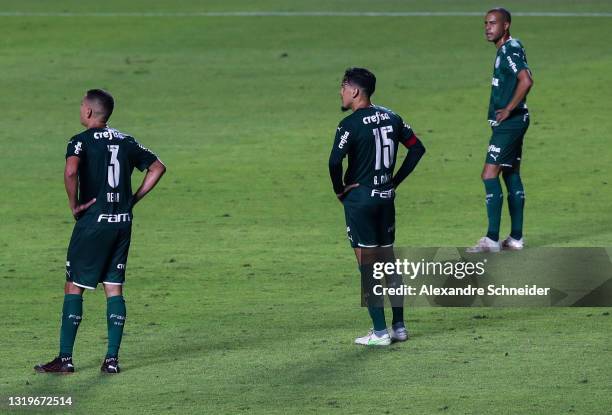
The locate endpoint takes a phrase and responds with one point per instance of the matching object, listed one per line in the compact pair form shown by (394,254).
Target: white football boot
(399,335)
(512,244)
(485,244)
(371,339)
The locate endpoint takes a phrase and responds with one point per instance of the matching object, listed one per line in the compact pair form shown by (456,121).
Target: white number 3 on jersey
(113,167)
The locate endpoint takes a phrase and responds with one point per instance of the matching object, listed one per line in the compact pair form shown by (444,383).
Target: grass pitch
(242,292)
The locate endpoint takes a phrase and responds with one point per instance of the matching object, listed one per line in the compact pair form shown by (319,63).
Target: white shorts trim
(83,286)
(366,246)
(386,246)
(112,283)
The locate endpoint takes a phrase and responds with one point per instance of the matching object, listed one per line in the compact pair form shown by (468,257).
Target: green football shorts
(370,217)
(97,255)
(506,144)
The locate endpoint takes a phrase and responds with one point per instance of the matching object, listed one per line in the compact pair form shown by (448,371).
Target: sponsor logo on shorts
(120,266)
(120,217)
(383,194)
(343,139)
(348,233)
(492,150)
(495,82)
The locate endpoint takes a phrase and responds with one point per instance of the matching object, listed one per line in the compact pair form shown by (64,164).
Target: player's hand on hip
(346,191)
(79,209)
(501,115)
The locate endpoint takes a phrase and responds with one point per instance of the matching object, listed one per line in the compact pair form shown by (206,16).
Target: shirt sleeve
(516,60)
(407,136)
(140,156)
(75,147)
(342,142)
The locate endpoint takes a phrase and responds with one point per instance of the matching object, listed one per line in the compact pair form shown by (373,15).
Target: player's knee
(70,288)
(490,171)
(112,290)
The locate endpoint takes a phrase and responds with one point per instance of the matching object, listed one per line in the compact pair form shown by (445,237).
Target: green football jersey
(370,137)
(510,60)
(107,159)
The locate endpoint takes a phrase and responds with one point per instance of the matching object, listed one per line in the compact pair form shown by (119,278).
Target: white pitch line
(291,14)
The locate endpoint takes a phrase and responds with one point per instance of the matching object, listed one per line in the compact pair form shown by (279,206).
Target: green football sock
(115,318)
(494,206)
(72,314)
(378,318)
(516,203)
(375,303)
(397,301)
(398,315)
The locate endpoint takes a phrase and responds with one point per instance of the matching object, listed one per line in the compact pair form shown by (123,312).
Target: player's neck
(360,105)
(96,124)
(503,40)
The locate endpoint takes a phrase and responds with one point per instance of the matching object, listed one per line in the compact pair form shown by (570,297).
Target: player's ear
(356,92)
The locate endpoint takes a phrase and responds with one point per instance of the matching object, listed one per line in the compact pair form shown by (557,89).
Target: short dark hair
(505,14)
(361,77)
(104,99)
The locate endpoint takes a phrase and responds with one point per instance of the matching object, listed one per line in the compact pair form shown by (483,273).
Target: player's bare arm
(71,182)
(154,173)
(416,150)
(525,82)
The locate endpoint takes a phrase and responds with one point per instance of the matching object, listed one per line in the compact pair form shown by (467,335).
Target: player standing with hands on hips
(509,121)
(370,138)
(97,176)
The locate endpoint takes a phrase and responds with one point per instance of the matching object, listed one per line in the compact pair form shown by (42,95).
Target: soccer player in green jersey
(370,137)
(97,176)
(509,119)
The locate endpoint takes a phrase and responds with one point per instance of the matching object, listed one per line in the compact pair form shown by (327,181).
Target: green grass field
(243,294)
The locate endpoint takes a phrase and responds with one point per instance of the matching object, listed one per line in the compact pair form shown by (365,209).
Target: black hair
(362,78)
(104,99)
(505,14)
